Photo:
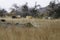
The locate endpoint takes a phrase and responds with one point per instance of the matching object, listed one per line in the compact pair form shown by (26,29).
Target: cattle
(28,17)
(3,20)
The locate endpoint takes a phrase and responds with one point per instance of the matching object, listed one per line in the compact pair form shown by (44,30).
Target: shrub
(29,25)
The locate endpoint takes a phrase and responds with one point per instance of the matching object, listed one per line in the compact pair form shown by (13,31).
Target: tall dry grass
(49,31)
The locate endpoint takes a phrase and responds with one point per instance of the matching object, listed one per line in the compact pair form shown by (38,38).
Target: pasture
(43,29)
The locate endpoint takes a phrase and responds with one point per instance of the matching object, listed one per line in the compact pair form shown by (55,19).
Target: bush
(29,25)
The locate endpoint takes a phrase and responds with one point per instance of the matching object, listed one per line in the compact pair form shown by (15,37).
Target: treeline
(24,10)
(52,10)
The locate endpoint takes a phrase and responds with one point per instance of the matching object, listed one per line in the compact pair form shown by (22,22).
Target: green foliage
(3,12)
(54,10)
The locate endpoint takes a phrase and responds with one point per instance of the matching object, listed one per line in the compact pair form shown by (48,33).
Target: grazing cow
(3,20)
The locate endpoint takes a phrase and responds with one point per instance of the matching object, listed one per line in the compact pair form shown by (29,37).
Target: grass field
(43,30)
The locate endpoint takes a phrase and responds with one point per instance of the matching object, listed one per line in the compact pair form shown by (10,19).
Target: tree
(35,11)
(3,12)
(57,14)
(25,10)
(52,8)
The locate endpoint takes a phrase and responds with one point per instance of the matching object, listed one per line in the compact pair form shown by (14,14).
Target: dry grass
(48,30)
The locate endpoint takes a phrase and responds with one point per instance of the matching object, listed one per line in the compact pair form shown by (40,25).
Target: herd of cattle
(4,23)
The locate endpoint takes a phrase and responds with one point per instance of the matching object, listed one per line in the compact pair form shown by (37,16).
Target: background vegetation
(52,10)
